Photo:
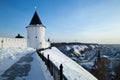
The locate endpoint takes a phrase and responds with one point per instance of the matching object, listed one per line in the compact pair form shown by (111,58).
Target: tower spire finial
(35,8)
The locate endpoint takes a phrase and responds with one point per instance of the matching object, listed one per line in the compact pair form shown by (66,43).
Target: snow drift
(71,69)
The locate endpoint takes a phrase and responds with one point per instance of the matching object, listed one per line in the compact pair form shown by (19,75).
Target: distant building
(19,36)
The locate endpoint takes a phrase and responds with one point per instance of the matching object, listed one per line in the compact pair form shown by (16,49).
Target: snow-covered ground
(71,69)
(25,64)
(9,56)
(22,64)
(38,70)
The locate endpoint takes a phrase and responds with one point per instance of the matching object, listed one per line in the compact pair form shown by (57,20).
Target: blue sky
(93,21)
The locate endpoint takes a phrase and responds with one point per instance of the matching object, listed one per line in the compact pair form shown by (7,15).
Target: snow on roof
(93,46)
(71,69)
(78,47)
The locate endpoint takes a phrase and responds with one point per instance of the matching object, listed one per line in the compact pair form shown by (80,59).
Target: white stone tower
(36,33)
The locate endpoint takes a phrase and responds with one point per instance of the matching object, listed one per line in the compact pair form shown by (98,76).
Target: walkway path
(29,67)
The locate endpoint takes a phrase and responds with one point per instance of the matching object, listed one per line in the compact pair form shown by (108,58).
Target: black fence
(55,72)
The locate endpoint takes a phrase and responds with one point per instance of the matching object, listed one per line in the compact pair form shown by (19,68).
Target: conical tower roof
(35,19)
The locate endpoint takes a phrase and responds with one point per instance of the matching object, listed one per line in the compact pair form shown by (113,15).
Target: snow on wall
(12,42)
(71,69)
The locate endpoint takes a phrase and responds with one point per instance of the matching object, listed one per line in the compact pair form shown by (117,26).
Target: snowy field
(71,69)
(22,64)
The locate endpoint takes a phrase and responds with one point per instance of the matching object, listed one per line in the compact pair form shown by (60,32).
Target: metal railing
(55,72)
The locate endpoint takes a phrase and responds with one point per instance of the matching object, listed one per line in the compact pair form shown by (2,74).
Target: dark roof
(35,19)
(19,36)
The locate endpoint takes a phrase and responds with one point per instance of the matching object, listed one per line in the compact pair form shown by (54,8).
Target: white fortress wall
(13,42)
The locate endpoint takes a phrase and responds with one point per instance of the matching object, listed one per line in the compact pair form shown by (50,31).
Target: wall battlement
(12,42)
